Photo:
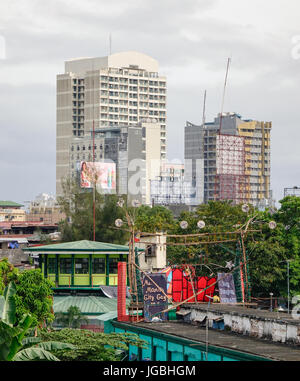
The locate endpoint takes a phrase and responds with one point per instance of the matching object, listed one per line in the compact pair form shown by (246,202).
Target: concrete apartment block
(122,89)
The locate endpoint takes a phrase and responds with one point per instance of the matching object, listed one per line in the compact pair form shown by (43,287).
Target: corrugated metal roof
(108,316)
(83,245)
(10,203)
(86,304)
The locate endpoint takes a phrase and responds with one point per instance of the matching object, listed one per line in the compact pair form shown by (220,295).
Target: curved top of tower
(128,59)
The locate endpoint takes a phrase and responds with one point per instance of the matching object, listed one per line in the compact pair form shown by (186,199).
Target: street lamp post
(271,302)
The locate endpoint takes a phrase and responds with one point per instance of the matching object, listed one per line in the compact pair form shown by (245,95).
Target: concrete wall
(277,330)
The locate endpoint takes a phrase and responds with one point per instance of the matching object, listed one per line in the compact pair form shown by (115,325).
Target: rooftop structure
(11,211)
(80,265)
(44,208)
(294,191)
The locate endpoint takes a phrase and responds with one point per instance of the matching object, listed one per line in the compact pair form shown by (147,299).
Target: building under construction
(229,159)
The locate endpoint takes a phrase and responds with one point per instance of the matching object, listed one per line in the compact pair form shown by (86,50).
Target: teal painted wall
(163,347)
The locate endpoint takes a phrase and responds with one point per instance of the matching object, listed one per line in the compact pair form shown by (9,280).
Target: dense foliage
(91,346)
(14,346)
(72,319)
(77,205)
(34,296)
(155,219)
(7,274)
(33,292)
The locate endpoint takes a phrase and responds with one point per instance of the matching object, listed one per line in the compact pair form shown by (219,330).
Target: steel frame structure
(230,178)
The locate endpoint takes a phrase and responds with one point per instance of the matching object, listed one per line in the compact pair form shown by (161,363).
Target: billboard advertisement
(103,175)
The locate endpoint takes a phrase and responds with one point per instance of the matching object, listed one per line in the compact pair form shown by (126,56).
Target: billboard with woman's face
(103,175)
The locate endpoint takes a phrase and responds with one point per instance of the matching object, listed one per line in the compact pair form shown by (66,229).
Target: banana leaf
(35,354)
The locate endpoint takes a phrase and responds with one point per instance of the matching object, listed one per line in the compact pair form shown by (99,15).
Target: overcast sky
(191,40)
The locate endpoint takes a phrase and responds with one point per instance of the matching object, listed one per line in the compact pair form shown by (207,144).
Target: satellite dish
(245,208)
(201,224)
(136,203)
(184,224)
(118,223)
(272,225)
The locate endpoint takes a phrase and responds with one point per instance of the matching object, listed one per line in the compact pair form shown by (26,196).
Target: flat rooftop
(244,344)
(239,310)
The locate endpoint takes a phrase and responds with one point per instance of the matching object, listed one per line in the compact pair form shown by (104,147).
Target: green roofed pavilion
(80,265)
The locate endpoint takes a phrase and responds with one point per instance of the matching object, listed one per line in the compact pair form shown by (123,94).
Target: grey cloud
(180,35)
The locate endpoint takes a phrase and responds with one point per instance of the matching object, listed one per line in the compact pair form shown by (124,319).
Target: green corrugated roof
(108,316)
(94,305)
(9,203)
(83,245)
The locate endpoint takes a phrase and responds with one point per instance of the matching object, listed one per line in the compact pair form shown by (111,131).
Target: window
(65,265)
(51,266)
(81,265)
(98,266)
(113,265)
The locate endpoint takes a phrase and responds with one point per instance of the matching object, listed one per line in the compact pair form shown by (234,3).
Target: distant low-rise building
(45,209)
(11,211)
(293,191)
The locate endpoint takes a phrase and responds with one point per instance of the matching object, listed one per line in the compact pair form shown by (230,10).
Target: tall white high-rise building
(122,89)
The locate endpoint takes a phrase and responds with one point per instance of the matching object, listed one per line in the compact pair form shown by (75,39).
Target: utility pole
(288,284)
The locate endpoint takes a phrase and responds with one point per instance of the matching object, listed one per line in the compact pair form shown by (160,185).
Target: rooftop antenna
(223,97)
(203,114)
(110,43)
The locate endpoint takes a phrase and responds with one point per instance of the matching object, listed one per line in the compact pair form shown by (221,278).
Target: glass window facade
(98,266)
(65,265)
(113,265)
(81,265)
(51,266)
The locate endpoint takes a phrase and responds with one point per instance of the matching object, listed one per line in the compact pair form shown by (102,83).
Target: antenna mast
(203,114)
(110,43)
(223,97)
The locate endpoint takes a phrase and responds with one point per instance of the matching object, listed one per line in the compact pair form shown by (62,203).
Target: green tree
(14,346)
(34,296)
(219,216)
(288,219)
(155,219)
(72,319)
(77,205)
(266,248)
(7,274)
(91,346)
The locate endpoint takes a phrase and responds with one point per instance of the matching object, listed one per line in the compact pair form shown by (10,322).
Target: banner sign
(226,288)
(154,299)
(102,174)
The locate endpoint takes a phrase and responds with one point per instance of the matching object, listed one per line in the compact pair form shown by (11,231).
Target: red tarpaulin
(182,286)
